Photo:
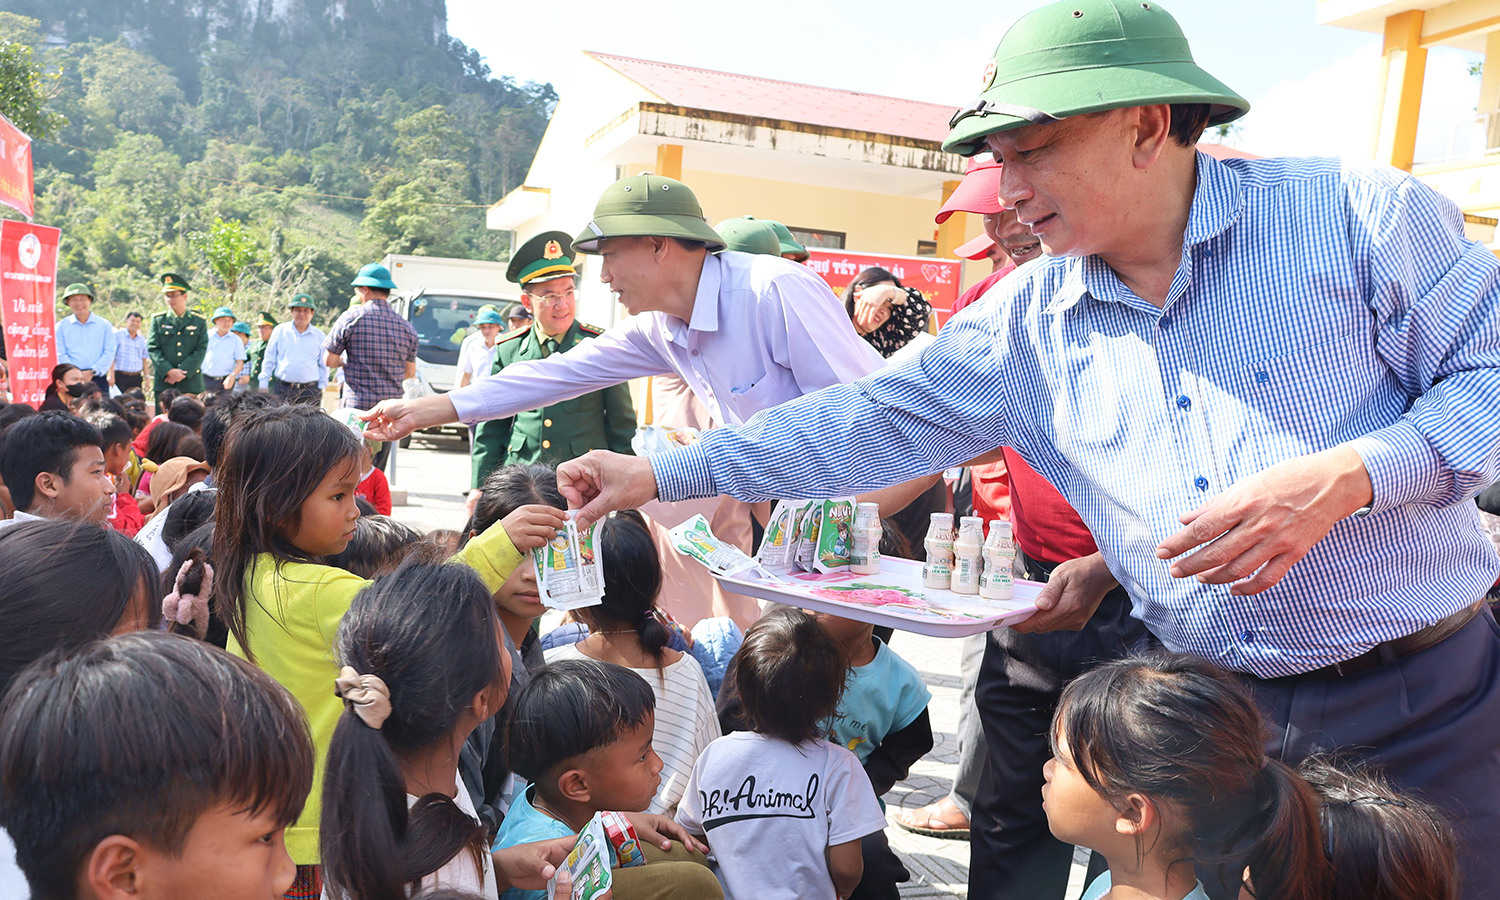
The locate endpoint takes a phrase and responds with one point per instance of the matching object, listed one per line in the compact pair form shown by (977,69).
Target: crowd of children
(397,728)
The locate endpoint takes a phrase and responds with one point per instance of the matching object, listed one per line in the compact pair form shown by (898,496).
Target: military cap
(221,312)
(374,275)
(265,319)
(647,205)
(748,234)
(1084,56)
(302,300)
(171,281)
(545,256)
(241,327)
(77,288)
(789,245)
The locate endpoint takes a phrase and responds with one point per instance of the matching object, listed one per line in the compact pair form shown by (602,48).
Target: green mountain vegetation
(260,148)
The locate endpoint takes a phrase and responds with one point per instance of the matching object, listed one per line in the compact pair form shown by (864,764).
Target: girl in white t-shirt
(423,664)
(783,809)
(626,629)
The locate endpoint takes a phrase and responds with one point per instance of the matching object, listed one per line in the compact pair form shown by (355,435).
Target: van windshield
(442,322)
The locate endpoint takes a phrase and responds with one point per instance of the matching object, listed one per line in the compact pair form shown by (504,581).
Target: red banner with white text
(28,274)
(937,279)
(15,169)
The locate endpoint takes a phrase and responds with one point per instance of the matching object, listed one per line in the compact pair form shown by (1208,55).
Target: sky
(1312,88)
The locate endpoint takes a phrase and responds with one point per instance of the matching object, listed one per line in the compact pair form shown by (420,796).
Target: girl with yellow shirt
(286,481)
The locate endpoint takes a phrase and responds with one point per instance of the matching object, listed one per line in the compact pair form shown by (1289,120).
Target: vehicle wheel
(404,442)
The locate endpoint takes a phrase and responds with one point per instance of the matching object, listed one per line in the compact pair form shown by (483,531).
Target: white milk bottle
(864,556)
(998,582)
(966,551)
(937,572)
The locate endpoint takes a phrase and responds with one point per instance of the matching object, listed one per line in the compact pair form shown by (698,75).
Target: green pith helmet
(647,205)
(1084,56)
(171,281)
(303,300)
(265,319)
(488,317)
(220,313)
(77,288)
(241,328)
(374,275)
(748,234)
(789,244)
(544,257)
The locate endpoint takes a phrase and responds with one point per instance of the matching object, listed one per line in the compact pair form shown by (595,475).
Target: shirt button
(1200,483)
(546,445)
(546,423)
(1183,402)
(695,352)
(1262,376)
(1164,321)
(1247,636)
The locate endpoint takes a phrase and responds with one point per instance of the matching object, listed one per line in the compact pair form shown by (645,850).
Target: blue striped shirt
(1317,303)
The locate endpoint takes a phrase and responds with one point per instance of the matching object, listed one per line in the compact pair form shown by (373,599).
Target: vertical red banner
(28,276)
(15,169)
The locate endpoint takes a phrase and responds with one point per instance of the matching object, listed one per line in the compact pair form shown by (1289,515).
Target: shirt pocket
(1312,398)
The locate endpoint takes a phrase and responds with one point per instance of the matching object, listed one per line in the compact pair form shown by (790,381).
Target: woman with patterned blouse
(886,314)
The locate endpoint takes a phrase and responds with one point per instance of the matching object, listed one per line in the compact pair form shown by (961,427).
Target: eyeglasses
(552,299)
(983,107)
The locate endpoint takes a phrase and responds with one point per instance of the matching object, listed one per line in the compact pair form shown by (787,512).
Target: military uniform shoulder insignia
(512,335)
(591,329)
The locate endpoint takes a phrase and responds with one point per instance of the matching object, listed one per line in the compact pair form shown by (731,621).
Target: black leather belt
(1387,652)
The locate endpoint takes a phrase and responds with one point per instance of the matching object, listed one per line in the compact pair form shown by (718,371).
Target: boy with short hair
(53,465)
(125,515)
(105,801)
(580,731)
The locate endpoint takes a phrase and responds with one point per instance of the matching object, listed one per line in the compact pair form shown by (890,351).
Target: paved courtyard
(434,473)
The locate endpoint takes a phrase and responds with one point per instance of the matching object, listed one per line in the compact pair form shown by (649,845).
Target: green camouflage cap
(790,246)
(647,205)
(76,288)
(1084,56)
(749,235)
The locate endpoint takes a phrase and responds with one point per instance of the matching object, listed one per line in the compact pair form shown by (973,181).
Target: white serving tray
(937,613)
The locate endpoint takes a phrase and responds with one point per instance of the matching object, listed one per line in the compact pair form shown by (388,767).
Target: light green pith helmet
(748,234)
(647,206)
(1083,56)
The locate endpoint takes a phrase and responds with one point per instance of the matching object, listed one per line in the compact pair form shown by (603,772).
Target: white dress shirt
(294,357)
(474,357)
(765,330)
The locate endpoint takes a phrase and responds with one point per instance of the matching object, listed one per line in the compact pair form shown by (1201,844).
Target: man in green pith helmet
(255,351)
(599,420)
(791,248)
(1268,388)
(177,341)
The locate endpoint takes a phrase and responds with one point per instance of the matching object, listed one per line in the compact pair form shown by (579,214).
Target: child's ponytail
(417,646)
(1286,859)
(632,580)
(1181,731)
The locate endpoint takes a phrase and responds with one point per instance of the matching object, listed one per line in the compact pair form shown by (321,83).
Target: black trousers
(127,380)
(297,393)
(883,870)
(1012,852)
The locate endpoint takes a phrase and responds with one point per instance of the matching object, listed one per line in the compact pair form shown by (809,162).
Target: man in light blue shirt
(131,354)
(293,365)
(225,355)
(84,339)
(1271,388)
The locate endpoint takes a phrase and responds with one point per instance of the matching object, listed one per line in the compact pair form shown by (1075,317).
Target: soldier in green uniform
(255,351)
(602,420)
(177,341)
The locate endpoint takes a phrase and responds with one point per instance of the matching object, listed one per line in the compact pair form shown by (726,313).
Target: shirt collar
(1217,201)
(706,303)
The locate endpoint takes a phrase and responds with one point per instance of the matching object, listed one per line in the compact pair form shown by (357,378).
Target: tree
(230,250)
(25,85)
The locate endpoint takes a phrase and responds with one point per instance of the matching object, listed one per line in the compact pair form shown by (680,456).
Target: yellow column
(951,233)
(1402,66)
(669,160)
